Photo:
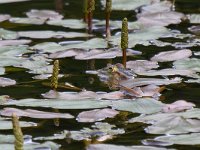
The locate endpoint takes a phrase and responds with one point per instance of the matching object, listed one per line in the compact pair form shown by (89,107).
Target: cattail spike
(124,39)
(54,78)
(19,141)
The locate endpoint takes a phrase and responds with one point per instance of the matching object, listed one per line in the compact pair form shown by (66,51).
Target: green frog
(113,74)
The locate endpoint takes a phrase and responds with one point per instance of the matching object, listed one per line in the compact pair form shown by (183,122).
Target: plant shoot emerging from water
(124,40)
(19,141)
(54,78)
(108,11)
(90,9)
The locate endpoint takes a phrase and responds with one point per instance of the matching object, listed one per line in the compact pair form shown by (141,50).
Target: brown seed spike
(19,141)
(54,78)
(124,39)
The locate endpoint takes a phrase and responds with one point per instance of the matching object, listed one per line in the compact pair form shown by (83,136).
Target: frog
(112,75)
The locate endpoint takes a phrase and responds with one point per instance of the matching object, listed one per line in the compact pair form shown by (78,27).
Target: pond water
(75,70)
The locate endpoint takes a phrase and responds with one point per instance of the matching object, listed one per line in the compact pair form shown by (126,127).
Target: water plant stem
(54,78)
(19,141)
(124,40)
(108,12)
(85,11)
(90,9)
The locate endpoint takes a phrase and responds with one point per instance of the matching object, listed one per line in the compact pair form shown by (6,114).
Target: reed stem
(90,9)
(108,12)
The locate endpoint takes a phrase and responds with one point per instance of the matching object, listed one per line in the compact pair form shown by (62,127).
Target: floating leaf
(96,115)
(142,36)
(13,50)
(2,71)
(51,34)
(141,65)
(44,14)
(4,17)
(8,35)
(33,113)
(174,125)
(184,139)
(11,1)
(194,18)
(36,21)
(83,95)
(68,23)
(6,82)
(62,104)
(195,29)
(130,83)
(6,124)
(14,42)
(189,63)
(119,147)
(140,105)
(177,106)
(172,55)
(129,4)
(170,72)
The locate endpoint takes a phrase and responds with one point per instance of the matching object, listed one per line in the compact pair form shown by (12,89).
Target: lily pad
(130,83)
(4,17)
(2,71)
(141,65)
(119,147)
(44,14)
(141,36)
(33,113)
(6,82)
(14,42)
(36,21)
(174,125)
(68,23)
(8,35)
(194,18)
(184,139)
(96,115)
(13,50)
(62,104)
(129,4)
(6,124)
(11,1)
(172,55)
(51,34)
(140,105)
(189,63)
(170,72)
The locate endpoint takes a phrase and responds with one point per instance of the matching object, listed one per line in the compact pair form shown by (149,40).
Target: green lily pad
(68,23)
(13,50)
(140,105)
(36,21)
(44,14)
(128,4)
(189,63)
(11,1)
(33,113)
(51,34)
(184,139)
(6,124)
(62,104)
(119,147)
(141,36)
(2,70)
(8,35)
(194,18)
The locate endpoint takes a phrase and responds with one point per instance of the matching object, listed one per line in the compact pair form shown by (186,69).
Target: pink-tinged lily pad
(33,113)
(83,95)
(36,21)
(44,14)
(14,42)
(6,82)
(4,17)
(96,115)
(178,106)
(141,65)
(172,55)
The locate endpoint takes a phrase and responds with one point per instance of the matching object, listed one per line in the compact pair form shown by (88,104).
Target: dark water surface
(28,89)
